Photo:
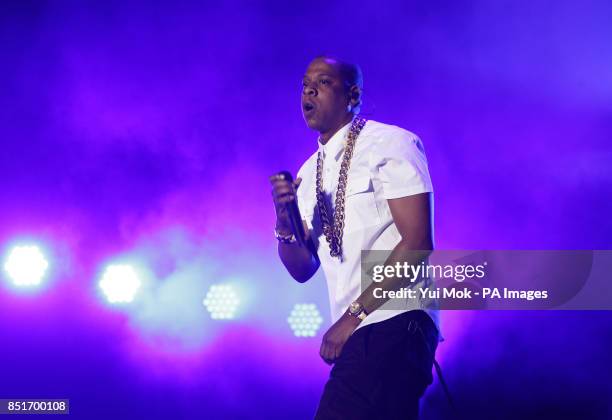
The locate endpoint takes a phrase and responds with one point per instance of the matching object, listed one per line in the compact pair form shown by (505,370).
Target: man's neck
(325,136)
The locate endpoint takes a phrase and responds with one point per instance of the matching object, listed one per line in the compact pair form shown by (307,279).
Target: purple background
(147,130)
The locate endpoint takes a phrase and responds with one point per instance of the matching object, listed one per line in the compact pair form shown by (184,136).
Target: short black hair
(351,73)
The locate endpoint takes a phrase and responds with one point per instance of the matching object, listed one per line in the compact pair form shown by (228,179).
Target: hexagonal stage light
(26,265)
(221,301)
(120,282)
(305,319)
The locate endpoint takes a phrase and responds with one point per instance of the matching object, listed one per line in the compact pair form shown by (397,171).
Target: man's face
(324,96)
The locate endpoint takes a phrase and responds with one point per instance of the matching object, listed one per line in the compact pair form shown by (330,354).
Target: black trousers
(383,370)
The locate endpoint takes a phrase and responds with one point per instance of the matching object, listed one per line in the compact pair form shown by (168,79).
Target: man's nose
(309,91)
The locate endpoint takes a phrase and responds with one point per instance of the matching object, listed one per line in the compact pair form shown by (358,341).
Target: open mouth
(308,106)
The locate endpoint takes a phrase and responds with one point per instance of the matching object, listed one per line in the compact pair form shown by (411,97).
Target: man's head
(331,93)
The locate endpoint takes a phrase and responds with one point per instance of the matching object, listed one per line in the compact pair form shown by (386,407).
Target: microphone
(297,227)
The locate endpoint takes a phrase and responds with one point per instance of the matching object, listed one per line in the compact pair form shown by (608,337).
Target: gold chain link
(333,229)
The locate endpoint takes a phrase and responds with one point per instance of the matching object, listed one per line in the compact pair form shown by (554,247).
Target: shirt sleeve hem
(405,192)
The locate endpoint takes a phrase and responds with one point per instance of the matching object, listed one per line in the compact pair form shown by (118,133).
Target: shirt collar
(335,145)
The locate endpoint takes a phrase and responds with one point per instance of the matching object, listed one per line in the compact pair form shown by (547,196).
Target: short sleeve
(300,172)
(401,164)
(305,204)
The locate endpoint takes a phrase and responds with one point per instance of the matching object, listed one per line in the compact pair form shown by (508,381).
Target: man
(366,187)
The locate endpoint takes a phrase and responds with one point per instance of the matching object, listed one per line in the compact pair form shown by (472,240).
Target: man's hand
(335,338)
(301,261)
(283,192)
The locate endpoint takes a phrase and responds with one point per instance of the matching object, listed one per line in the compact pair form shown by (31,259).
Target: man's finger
(285,199)
(281,184)
(331,356)
(278,196)
(276,177)
(327,359)
(323,349)
(285,186)
(325,353)
(338,351)
(281,191)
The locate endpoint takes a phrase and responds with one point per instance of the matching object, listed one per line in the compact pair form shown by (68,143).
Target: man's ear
(355,96)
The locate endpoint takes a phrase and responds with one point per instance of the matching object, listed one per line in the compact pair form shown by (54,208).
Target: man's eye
(324,82)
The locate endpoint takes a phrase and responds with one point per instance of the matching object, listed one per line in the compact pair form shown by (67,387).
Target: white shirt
(388,162)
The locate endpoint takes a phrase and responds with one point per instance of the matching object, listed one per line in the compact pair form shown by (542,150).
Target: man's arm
(301,262)
(413,217)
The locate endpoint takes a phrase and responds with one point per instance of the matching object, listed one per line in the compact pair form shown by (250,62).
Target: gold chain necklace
(333,229)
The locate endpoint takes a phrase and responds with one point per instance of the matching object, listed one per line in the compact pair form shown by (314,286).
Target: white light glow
(120,283)
(26,265)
